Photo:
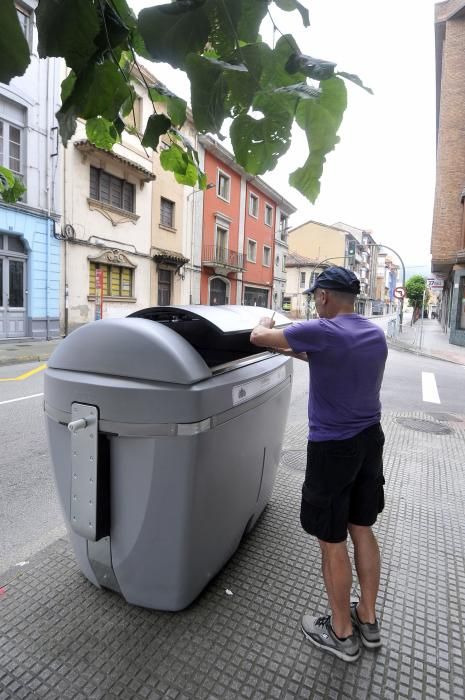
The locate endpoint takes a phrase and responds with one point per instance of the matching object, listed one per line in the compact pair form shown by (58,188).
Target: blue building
(29,251)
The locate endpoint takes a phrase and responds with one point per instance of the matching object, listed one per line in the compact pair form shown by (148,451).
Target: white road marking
(430,390)
(22,398)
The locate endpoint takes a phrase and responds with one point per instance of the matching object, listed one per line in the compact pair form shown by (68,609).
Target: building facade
(242,217)
(29,251)
(341,244)
(448,231)
(301,273)
(107,252)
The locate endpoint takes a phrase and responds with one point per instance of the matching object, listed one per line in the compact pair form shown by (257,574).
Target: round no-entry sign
(399,292)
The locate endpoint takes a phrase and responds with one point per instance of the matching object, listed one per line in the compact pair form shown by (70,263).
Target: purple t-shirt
(346,357)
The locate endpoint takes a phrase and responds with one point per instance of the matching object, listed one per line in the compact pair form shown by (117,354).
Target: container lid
(131,347)
(229,318)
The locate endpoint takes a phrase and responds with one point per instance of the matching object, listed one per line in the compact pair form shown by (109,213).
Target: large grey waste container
(165,431)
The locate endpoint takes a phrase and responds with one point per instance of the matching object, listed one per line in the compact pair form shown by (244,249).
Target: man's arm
(265,336)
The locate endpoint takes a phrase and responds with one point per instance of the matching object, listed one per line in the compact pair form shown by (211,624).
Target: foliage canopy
(234,75)
(414,287)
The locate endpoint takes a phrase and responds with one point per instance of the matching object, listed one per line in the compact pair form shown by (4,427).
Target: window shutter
(92,279)
(104,187)
(93,189)
(116,198)
(128,196)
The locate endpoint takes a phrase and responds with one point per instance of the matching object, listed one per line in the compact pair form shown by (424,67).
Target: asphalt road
(30,517)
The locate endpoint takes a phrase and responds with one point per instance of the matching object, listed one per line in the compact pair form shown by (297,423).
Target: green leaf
(15,192)
(311,67)
(275,71)
(172,31)
(307,179)
(128,104)
(7,179)
(125,13)
(67,86)
(209,92)
(258,143)
(289,5)
(320,119)
(202,180)
(157,125)
(355,79)
(113,31)
(68,28)
(172,158)
(300,90)
(101,92)
(67,120)
(14,49)
(102,133)
(176,107)
(189,177)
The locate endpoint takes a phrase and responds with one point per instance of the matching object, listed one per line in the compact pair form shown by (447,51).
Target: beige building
(341,244)
(106,231)
(300,273)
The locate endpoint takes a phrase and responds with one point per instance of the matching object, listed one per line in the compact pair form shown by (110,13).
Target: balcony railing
(218,256)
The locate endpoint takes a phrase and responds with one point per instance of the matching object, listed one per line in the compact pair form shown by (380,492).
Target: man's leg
(367,564)
(337,575)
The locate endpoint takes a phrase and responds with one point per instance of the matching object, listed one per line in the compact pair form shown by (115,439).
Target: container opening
(214,346)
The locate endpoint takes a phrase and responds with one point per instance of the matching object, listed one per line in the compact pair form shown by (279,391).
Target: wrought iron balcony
(217,256)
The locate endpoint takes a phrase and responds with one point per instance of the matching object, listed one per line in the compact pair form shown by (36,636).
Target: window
(11,144)
(164,287)
(283,226)
(117,280)
(266,256)
(223,186)
(166,213)
(284,262)
(268,215)
(111,190)
(24,18)
(277,261)
(302,280)
(253,205)
(251,250)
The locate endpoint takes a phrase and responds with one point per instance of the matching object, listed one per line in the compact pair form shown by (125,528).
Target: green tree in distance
(415,288)
(234,75)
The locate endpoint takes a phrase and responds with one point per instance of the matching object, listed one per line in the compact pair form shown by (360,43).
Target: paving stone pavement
(60,637)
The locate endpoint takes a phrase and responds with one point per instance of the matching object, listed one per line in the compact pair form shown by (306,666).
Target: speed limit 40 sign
(399,292)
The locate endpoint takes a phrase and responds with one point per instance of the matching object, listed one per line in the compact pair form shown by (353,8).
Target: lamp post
(191,273)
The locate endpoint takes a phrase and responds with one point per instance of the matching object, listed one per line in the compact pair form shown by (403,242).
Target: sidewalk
(21,351)
(61,637)
(430,341)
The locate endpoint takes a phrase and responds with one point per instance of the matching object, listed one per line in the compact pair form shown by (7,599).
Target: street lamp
(401,306)
(191,274)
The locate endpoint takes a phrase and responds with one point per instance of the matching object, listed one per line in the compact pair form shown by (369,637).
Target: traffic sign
(399,292)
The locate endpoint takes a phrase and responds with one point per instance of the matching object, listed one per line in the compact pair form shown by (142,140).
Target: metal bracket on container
(84,460)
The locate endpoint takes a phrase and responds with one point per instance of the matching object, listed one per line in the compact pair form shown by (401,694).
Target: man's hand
(265,336)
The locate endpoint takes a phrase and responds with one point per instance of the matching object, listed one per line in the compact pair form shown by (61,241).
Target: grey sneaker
(369,633)
(319,632)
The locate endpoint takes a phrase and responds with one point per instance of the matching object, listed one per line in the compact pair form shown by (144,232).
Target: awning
(170,257)
(85,146)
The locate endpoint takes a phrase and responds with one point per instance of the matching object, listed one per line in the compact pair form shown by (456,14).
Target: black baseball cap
(337,278)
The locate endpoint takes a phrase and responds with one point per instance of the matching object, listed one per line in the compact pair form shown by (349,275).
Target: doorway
(13,261)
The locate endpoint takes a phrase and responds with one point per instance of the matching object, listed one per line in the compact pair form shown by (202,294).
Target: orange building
(241,219)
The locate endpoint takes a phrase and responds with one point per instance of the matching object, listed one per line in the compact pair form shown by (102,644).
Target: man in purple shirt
(343,487)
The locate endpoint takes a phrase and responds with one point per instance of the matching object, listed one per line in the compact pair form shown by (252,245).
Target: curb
(413,351)
(23,359)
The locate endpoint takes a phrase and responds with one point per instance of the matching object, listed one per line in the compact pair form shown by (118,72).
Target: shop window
(117,281)
(461,309)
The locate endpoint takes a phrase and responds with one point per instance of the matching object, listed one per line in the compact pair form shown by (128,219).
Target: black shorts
(343,484)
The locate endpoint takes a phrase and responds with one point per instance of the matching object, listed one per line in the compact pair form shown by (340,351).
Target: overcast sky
(381,176)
